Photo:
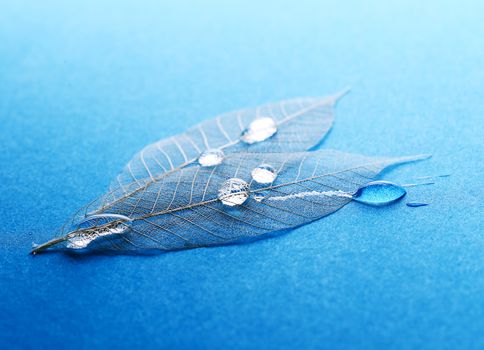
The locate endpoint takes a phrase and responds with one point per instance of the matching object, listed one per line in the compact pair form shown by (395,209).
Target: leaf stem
(42,247)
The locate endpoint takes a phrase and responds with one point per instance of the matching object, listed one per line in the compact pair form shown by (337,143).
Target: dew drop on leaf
(211,157)
(264,174)
(379,193)
(82,239)
(259,130)
(258,198)
(233,192)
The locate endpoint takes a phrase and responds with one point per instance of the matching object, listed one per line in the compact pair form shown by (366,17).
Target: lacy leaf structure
(257,182)
(301,124)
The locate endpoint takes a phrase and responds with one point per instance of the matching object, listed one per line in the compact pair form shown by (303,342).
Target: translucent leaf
(184,208)
(300,123)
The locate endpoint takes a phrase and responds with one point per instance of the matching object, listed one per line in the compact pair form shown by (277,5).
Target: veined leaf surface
(301,124)
(184,210)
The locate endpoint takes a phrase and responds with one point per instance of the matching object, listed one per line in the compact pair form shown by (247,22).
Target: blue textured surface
(83,87)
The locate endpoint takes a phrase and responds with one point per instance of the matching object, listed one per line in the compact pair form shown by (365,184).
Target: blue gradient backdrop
(85,86)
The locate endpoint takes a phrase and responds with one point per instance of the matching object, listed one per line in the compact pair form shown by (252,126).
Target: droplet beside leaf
(416,204)
(378,193)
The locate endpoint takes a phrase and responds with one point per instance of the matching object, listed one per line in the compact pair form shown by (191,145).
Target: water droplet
(233,192)
(379,193)
(81,239)
(416,204)
(259,130)
(211,157)
(258,198)
(264,174)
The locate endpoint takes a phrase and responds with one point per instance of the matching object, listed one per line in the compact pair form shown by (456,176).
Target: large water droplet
(80,241)
(211,157)
(264,174)
(379,193)
(259,130)
(233,192)
(82,238)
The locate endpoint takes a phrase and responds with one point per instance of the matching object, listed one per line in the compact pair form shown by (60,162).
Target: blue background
(85,86)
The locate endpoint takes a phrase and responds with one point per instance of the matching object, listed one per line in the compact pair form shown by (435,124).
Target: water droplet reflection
(211,157)
(379,193)
(233,192)
(259,130)
(264,174)
(82,239)
(258,198)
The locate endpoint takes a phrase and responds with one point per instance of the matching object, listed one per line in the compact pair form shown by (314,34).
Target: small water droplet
(416,204)
(379,193)
(258,198)
(233,192)
(259,130)
(211,157)
(264,174)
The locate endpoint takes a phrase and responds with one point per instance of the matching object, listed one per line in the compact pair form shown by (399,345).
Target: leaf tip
(415,158)
(423,156)
(339,95)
